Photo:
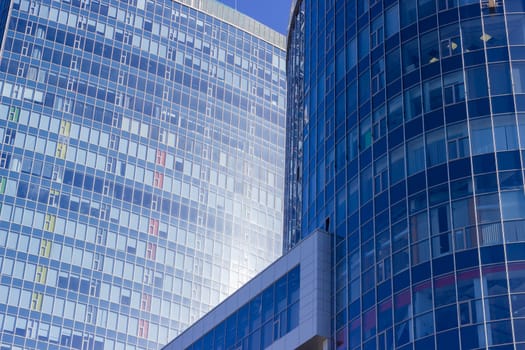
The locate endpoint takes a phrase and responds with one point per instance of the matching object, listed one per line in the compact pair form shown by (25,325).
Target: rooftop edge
(237,19)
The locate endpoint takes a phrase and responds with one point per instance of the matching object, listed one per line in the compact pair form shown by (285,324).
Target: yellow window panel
(41,274)
(65,128)
(36,301)
(49,223)
(45,248)
(61,150)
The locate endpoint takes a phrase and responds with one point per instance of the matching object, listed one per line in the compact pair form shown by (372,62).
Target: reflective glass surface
(266,318)
(141,168)
(412,156)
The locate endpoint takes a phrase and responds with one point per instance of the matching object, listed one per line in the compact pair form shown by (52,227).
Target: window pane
(397,164)
(500,82)
(395,112)
(472,34)
(392,21)
(495,25)
(488,208)
(518,74)
(505,132)
(432,94)
(477,82)
(410,53)
(513,205)
(516,28)
(412,103)
(426,7)
(416,156)
(393,66)
(408,12)
(436,147)
(481,132)
(429,48)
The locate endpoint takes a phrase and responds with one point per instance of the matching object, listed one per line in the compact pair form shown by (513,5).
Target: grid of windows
(422,104)
(141,167)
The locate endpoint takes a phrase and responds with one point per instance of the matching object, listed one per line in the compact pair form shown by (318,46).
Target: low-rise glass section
(258,323)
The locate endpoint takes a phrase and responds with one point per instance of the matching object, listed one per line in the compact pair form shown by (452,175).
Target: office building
(408,142)
(141,167)
(413,149)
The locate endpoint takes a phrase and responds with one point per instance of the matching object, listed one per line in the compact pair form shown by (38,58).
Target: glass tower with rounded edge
(412,156)
(141,167)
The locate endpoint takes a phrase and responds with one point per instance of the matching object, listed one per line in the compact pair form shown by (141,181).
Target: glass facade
(257,324)
(294,129)
(413,146)
(141,167)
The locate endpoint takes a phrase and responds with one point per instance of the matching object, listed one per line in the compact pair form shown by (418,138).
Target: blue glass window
(488,208)
(393,65)
(415,155)
(432,94)
(500,78)
(429,48)
(397,164)
(472,34)
(408,12)
(513,205)
(436,147)
(516,29)
(450,40)
(395,112)
(410,53)
(518,74)
(476,82)
(481,136)
(392,21)
(413,106)
(505,132)
(364,41)
(351,54)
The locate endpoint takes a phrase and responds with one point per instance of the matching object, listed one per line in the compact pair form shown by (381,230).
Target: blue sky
(273,13)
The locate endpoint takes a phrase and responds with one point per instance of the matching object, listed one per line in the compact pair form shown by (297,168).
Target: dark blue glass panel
(446,318)
(421,272)
(479,107)
(443,265)
(503,104)
(401,281)
(467,259)
(437,175)
(486,183)
(509,160)
(484,163)
(448,340)
(413,128)
(433,119)
(456,112)
(491,255)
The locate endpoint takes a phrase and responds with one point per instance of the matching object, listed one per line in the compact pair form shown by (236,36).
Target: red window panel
(143,329)
(161,157)
(158,180)
(145,305)
(151,251)
(153,228)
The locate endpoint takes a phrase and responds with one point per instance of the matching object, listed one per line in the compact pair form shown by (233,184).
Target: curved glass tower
(413,142)
(141,167)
